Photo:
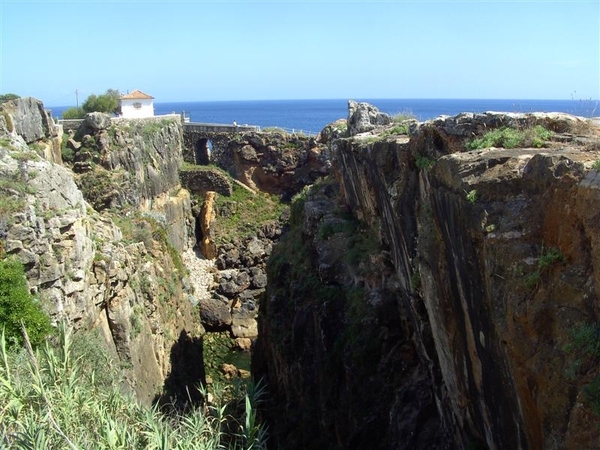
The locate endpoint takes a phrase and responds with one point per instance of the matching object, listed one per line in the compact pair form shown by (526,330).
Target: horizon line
(361,99)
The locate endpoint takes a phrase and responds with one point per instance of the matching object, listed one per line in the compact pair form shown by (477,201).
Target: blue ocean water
(314,115)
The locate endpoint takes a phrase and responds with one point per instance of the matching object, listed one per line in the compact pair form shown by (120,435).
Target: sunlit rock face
(482,270)
(99,246)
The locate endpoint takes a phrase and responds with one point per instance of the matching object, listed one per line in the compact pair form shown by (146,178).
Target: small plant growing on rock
(585,346)
(472,196)
(136,320)
(424,162)
(415,280)
(548,258)
(403,117)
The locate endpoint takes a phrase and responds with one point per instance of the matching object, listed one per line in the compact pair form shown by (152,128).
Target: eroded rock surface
(114,272)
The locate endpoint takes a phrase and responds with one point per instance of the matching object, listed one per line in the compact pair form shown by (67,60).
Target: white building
(136,105)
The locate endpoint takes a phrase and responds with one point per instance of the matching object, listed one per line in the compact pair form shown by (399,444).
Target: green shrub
(415,280)
(73,113)
(585,340)
(398,129)
(403,117)
(532,279)
(7,97)
(106,103)
(148,128)
(549,257)
(136,320)
(596,165)
(512,138)
(18,306)
(537,136)
(94,186)
(274,130)
(328,229)
(472,196)
(423,162)
(584,345)
(13,191)
(67,153)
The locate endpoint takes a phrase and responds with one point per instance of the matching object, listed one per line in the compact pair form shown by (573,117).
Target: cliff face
(28,119)
(471,315)
(276,163)
(133,165)
(117,271)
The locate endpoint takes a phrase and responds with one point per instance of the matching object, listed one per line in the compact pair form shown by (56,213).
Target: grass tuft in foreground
(52,398)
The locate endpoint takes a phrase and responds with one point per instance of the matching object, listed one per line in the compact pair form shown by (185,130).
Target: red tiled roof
(135,95)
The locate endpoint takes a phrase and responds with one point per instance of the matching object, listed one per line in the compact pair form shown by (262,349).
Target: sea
(311,116)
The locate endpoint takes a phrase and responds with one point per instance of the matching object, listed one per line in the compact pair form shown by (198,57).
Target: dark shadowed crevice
(181,389)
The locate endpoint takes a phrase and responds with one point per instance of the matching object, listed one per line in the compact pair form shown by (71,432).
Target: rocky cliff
(101,247)
(437,295)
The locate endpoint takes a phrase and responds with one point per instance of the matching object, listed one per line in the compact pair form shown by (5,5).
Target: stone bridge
(272,161)
(203,142)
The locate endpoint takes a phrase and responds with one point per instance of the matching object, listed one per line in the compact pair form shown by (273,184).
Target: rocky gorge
(401,284)
(434,293)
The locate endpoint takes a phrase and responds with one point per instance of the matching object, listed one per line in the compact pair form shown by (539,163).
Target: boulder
(97,121)
(244,344)
(215,313)
(244,328)
(207,244)
(29,119)
(259,277)
(232,284)
(363,117)
(229,370)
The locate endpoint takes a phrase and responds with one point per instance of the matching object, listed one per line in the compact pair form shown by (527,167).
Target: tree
(17,306)
(73,113)
(106,103)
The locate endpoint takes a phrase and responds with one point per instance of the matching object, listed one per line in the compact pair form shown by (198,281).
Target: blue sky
(244,50)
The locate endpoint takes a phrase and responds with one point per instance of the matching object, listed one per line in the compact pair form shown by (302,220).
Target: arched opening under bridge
(202,151)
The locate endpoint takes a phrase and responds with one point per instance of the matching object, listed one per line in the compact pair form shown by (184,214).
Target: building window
(137,105)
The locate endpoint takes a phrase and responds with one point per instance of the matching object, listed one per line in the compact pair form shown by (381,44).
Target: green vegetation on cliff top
(506,137)
(7,97)
(106,103)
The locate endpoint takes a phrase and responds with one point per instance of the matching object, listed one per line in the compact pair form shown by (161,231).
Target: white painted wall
(145,108)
